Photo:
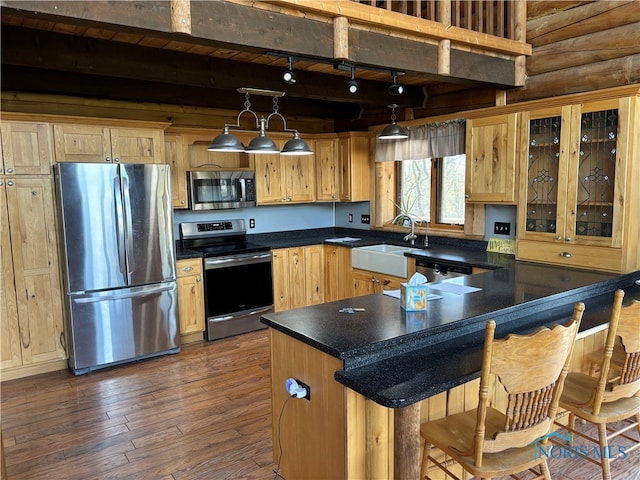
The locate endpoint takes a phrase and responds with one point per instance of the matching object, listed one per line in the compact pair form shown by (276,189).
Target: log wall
(580,47)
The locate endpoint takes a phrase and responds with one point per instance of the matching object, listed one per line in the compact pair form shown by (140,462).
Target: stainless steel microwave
(218,190)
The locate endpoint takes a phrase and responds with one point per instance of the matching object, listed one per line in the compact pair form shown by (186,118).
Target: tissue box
(413,297)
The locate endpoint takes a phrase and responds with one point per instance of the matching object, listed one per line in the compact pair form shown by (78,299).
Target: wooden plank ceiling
(92,49)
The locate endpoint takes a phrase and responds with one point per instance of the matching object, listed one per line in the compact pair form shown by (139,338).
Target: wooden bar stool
(612,396)
(488,442)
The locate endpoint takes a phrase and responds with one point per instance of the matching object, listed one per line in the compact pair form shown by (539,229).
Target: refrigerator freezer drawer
(116,326)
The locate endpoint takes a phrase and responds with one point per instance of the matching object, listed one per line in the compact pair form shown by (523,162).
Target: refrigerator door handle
(129,236)
(122,294)
(120,233)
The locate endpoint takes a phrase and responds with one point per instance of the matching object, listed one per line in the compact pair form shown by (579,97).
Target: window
(432,190)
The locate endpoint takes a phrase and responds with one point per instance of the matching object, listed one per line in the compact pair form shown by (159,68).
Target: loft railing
(493,17)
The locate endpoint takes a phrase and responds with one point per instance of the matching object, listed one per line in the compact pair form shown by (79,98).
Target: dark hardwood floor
(202,414)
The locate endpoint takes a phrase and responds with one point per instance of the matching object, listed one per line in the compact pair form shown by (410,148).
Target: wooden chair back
(532,369)
(623,345)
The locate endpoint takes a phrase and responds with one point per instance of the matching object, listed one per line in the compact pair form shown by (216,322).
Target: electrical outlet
(365,218)
(308,388)
(502,228)
(351,218)
(252,223)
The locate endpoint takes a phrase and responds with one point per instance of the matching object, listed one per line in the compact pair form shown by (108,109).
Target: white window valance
(431,140)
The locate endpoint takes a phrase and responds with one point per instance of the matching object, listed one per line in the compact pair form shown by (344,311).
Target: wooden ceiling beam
(249,29)
(87,56)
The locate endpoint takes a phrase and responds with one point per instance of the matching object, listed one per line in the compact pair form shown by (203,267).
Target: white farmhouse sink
(382,258)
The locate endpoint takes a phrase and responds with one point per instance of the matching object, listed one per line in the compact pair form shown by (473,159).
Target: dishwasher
(436,270)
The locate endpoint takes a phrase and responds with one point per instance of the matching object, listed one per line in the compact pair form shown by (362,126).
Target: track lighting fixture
(394,88)
(393,131)
(288,76)
(226,142)
(352,85)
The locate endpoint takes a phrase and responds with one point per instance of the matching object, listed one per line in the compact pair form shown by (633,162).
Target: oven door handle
(215,262)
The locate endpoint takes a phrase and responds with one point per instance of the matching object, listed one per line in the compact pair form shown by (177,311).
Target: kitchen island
(382,370)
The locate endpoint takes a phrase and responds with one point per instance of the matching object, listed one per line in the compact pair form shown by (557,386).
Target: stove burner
(218,238)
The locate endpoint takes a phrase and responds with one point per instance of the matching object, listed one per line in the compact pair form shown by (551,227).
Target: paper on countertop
(453,288)
(343,239)
(396,294)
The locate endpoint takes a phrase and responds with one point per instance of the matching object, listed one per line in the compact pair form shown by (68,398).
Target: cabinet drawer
(582,256)
(191,266)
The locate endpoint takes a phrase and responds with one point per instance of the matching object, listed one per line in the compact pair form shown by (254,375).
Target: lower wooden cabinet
(366,283)
(298,277)
(337,273)
(190,299)
(31,321)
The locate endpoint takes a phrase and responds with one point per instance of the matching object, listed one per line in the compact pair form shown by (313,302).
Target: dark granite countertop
(397,358)
(468,252)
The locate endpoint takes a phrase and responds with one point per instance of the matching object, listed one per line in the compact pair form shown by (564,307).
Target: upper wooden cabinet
(284,178)
(26,148)
(579,191)
(174,157)
(355,172)
(327,170)
(92,143)
(491,166)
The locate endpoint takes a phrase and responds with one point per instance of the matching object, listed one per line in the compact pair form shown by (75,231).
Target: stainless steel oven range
(237,276)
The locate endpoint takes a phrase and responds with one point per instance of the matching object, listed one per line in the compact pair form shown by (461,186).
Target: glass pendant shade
(225,142)
(393,131)
(296,146)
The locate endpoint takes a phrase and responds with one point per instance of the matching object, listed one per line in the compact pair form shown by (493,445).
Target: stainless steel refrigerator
(119,263)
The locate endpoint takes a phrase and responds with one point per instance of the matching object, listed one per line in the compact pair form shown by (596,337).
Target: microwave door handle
(120,235)
(129,231)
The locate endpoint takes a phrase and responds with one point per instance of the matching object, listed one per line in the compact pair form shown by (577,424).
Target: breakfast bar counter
(389,359)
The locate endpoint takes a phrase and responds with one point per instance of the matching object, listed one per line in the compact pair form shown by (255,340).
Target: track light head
(352,85)
(394,88)
(288,76)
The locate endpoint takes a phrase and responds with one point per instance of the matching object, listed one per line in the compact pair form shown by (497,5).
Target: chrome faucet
(412,236)
(426,235)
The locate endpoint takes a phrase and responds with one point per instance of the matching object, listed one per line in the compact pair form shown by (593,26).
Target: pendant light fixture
(393,131)
(226,142)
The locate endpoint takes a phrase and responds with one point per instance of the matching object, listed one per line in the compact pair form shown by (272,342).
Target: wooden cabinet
(26,148)
(491,165)
(190,298)
(355,173)
(298,277)
(337,273)
(327,170)
(174,157)
(32,318)
(366,283)
(580,188)
(95,143)
(284,178)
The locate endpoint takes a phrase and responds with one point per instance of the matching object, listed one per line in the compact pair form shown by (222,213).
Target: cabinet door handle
(565,254)
(9,170)
(559,238)
(568,239)
(116,159)
(10,183)
(198,279)
(107,159)
(187,269)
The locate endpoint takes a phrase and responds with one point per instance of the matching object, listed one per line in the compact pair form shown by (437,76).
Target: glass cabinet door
(545,171)
(594,162)
(570,192)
